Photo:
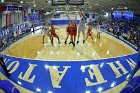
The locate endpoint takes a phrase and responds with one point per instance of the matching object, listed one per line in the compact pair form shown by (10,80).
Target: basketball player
(2,64)
(15,34)
(89,33)
(5,42)
(98,31)
(82,26)
(53,34)
(68,30)
(46,31)
(73,31)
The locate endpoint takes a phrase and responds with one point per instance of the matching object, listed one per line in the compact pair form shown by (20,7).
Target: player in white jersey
(82,25)
(46,31)
(98,31)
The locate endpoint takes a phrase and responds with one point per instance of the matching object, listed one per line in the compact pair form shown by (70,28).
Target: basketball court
(100,66)
(106,47)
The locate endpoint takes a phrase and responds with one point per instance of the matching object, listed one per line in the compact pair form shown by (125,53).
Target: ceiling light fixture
(2,0)
(125,7)
(49,1)
(96,4)
(21,2)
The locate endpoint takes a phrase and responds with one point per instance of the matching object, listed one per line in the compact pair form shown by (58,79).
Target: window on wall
(56,15)
(12,18)
(3,20)
(20,17)
(16,18)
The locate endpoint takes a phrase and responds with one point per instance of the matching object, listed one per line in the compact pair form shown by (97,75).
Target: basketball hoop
(67,7)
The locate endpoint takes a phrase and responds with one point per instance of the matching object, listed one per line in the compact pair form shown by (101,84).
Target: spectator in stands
(15,35)
(129,36)
(20,32)
(129,30)
(98,31)
(4,41)
(110,29)
(32,27)
(118,32)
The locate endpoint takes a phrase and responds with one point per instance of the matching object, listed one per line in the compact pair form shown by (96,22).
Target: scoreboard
(126,15)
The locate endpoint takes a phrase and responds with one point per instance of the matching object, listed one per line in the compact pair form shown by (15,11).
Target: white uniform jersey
(46,30)
(20,31)
(98,28)
(15,34)
(82,25)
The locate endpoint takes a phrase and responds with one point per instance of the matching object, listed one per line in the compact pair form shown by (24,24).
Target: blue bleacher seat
(8,87)
(133,86)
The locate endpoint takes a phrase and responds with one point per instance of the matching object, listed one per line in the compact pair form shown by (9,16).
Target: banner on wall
(126,15)
(4,33)
(117,15)
(16,8)
(70,76)
(3,8)
(56,15)
(10,8)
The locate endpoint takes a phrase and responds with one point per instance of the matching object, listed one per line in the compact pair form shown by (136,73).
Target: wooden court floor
(31,47)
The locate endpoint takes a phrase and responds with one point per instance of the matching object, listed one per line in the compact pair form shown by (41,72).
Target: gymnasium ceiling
(89,5)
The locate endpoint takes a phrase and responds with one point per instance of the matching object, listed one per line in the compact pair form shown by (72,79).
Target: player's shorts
(89,34)
(54,35)
(73,32)
(81,28)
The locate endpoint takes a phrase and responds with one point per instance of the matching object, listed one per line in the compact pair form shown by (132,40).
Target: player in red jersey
(89,33)
(73,31)
(53,34)
(68,30)
(46,31)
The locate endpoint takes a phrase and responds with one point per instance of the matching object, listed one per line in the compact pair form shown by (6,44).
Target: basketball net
(67,8)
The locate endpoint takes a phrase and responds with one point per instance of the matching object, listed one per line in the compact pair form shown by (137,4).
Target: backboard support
(67,2)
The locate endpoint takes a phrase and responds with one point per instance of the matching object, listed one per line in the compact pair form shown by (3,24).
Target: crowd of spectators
(127,30)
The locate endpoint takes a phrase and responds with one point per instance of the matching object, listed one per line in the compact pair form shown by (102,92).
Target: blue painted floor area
(70,77)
